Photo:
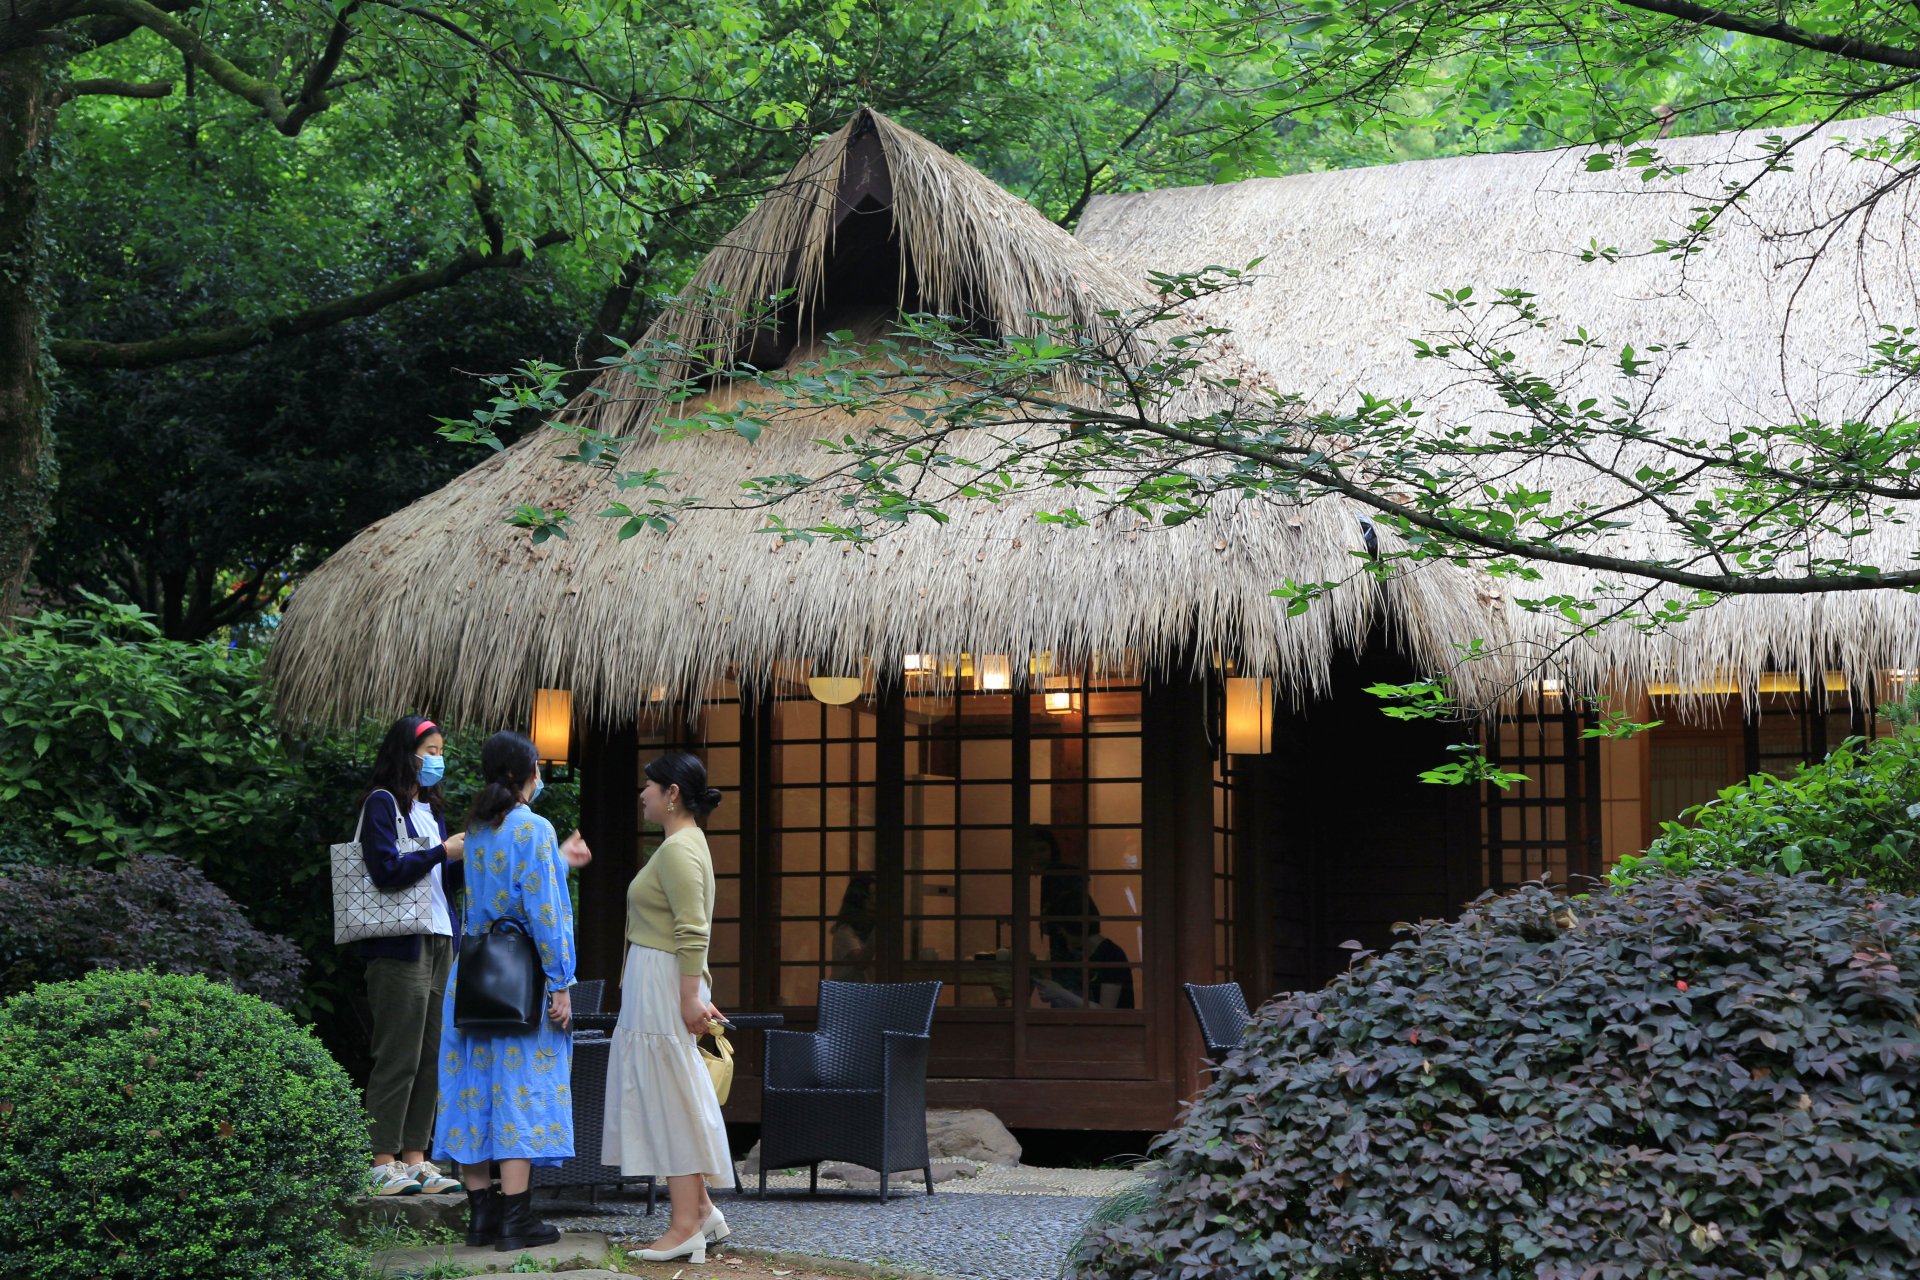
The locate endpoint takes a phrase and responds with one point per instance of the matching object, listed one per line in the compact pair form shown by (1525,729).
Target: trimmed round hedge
(161,1125)
(1698,1077)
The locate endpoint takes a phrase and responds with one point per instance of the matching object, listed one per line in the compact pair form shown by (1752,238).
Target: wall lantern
(996,672)
(1249,716)
(1060,699)
(553,726)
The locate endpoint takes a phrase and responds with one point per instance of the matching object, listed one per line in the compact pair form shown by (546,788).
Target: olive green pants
(406,997)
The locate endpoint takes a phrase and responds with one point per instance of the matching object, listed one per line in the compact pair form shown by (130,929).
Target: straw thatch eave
(445,608)
(1776,332)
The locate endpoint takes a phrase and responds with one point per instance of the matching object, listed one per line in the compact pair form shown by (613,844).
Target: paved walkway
(1007,1224)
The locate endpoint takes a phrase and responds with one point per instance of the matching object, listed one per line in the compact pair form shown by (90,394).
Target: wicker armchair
(589,996)
(1222,1011)
(854,1090)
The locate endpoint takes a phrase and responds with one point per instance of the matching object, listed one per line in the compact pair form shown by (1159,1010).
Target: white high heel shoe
(715,1228)
(693,1249)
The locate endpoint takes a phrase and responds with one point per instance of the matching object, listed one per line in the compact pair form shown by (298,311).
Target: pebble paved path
(1011,1224)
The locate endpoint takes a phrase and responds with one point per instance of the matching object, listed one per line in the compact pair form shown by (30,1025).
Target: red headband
(426,727)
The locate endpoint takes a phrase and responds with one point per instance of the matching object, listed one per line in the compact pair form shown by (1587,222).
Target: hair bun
(710,798)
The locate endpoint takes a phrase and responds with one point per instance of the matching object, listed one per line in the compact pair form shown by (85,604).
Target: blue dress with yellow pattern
(507,1097)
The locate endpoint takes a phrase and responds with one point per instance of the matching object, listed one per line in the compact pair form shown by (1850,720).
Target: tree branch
(110,88)
(1782,32)
(263,94)
(80,353)
(1519,548)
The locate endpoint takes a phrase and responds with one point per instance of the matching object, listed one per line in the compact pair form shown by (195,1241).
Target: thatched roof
(444,608)
(1779,325)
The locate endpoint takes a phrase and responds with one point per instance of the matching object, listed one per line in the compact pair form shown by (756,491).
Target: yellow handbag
(719,1060)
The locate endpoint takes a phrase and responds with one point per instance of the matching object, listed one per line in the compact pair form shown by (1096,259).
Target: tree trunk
(26,446)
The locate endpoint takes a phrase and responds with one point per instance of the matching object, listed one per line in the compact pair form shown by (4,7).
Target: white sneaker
(391,1179)
(432,1181)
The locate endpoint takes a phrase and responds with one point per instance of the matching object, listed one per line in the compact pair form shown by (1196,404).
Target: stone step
(574,1249)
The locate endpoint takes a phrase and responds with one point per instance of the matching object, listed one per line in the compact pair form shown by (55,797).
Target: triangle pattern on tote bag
(362,909)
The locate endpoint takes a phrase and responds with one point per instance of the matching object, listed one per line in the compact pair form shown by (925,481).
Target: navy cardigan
(391,869)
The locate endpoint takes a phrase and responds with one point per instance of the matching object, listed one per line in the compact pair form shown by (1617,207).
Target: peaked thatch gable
(1780,311)
(445,608)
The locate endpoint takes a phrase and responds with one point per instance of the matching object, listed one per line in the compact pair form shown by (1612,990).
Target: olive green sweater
(670,903)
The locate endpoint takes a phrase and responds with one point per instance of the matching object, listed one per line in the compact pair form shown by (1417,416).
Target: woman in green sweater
(662,1116)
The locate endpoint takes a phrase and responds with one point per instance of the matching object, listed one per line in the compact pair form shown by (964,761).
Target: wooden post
(610,821)
(1175,728)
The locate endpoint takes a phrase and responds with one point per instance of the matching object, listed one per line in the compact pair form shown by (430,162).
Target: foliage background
(116,742)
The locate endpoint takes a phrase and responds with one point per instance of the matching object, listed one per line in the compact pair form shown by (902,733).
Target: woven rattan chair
(589,996)
(589,1090)
(1222,1011)
(854,1090)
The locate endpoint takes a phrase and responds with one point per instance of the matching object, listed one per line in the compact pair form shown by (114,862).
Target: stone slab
(858,1175)
(573,1250)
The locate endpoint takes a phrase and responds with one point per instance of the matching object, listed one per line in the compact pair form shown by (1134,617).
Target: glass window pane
(986,850)
(799,762)
(796,807)
(796,719)
(799,851)
(1114,802)
(1114,757)
(799,896)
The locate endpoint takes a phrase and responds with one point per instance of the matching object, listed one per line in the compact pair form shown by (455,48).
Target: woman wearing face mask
(407,976)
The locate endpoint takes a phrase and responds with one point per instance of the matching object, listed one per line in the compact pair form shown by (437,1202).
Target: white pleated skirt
(662,1117)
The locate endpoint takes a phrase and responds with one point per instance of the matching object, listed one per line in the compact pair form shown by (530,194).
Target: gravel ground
(1005,1224)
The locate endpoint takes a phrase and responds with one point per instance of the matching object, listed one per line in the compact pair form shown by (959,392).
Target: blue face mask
(539,785)
(432,769)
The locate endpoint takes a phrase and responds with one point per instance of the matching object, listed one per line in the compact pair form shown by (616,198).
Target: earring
(670,808)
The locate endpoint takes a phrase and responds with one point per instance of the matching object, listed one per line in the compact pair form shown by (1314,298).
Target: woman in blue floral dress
(507,1097)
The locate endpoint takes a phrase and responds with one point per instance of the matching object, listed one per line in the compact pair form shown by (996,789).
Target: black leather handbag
(501,988)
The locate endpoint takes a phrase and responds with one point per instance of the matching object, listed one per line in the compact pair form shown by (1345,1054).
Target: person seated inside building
(853,931)
(1091,970)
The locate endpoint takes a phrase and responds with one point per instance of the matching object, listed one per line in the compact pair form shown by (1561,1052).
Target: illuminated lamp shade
(996,672)
(1060,698)
(920,664)
(1249,716)
(835,691)
(553,725)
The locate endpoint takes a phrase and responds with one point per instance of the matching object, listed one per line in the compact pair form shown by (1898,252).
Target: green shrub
(152,912)
(1695,1076)
(115,740)
(1854,815)
(155,1125)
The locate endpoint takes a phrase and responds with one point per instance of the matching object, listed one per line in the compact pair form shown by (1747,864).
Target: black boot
(519,1229)
(483,1217)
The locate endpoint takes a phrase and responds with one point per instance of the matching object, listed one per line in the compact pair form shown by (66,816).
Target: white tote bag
(361,909)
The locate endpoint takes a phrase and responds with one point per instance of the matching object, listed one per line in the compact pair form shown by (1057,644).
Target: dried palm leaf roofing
(1780,311)
(443,607)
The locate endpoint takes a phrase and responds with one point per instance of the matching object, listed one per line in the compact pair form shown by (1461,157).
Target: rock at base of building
(973,1136)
